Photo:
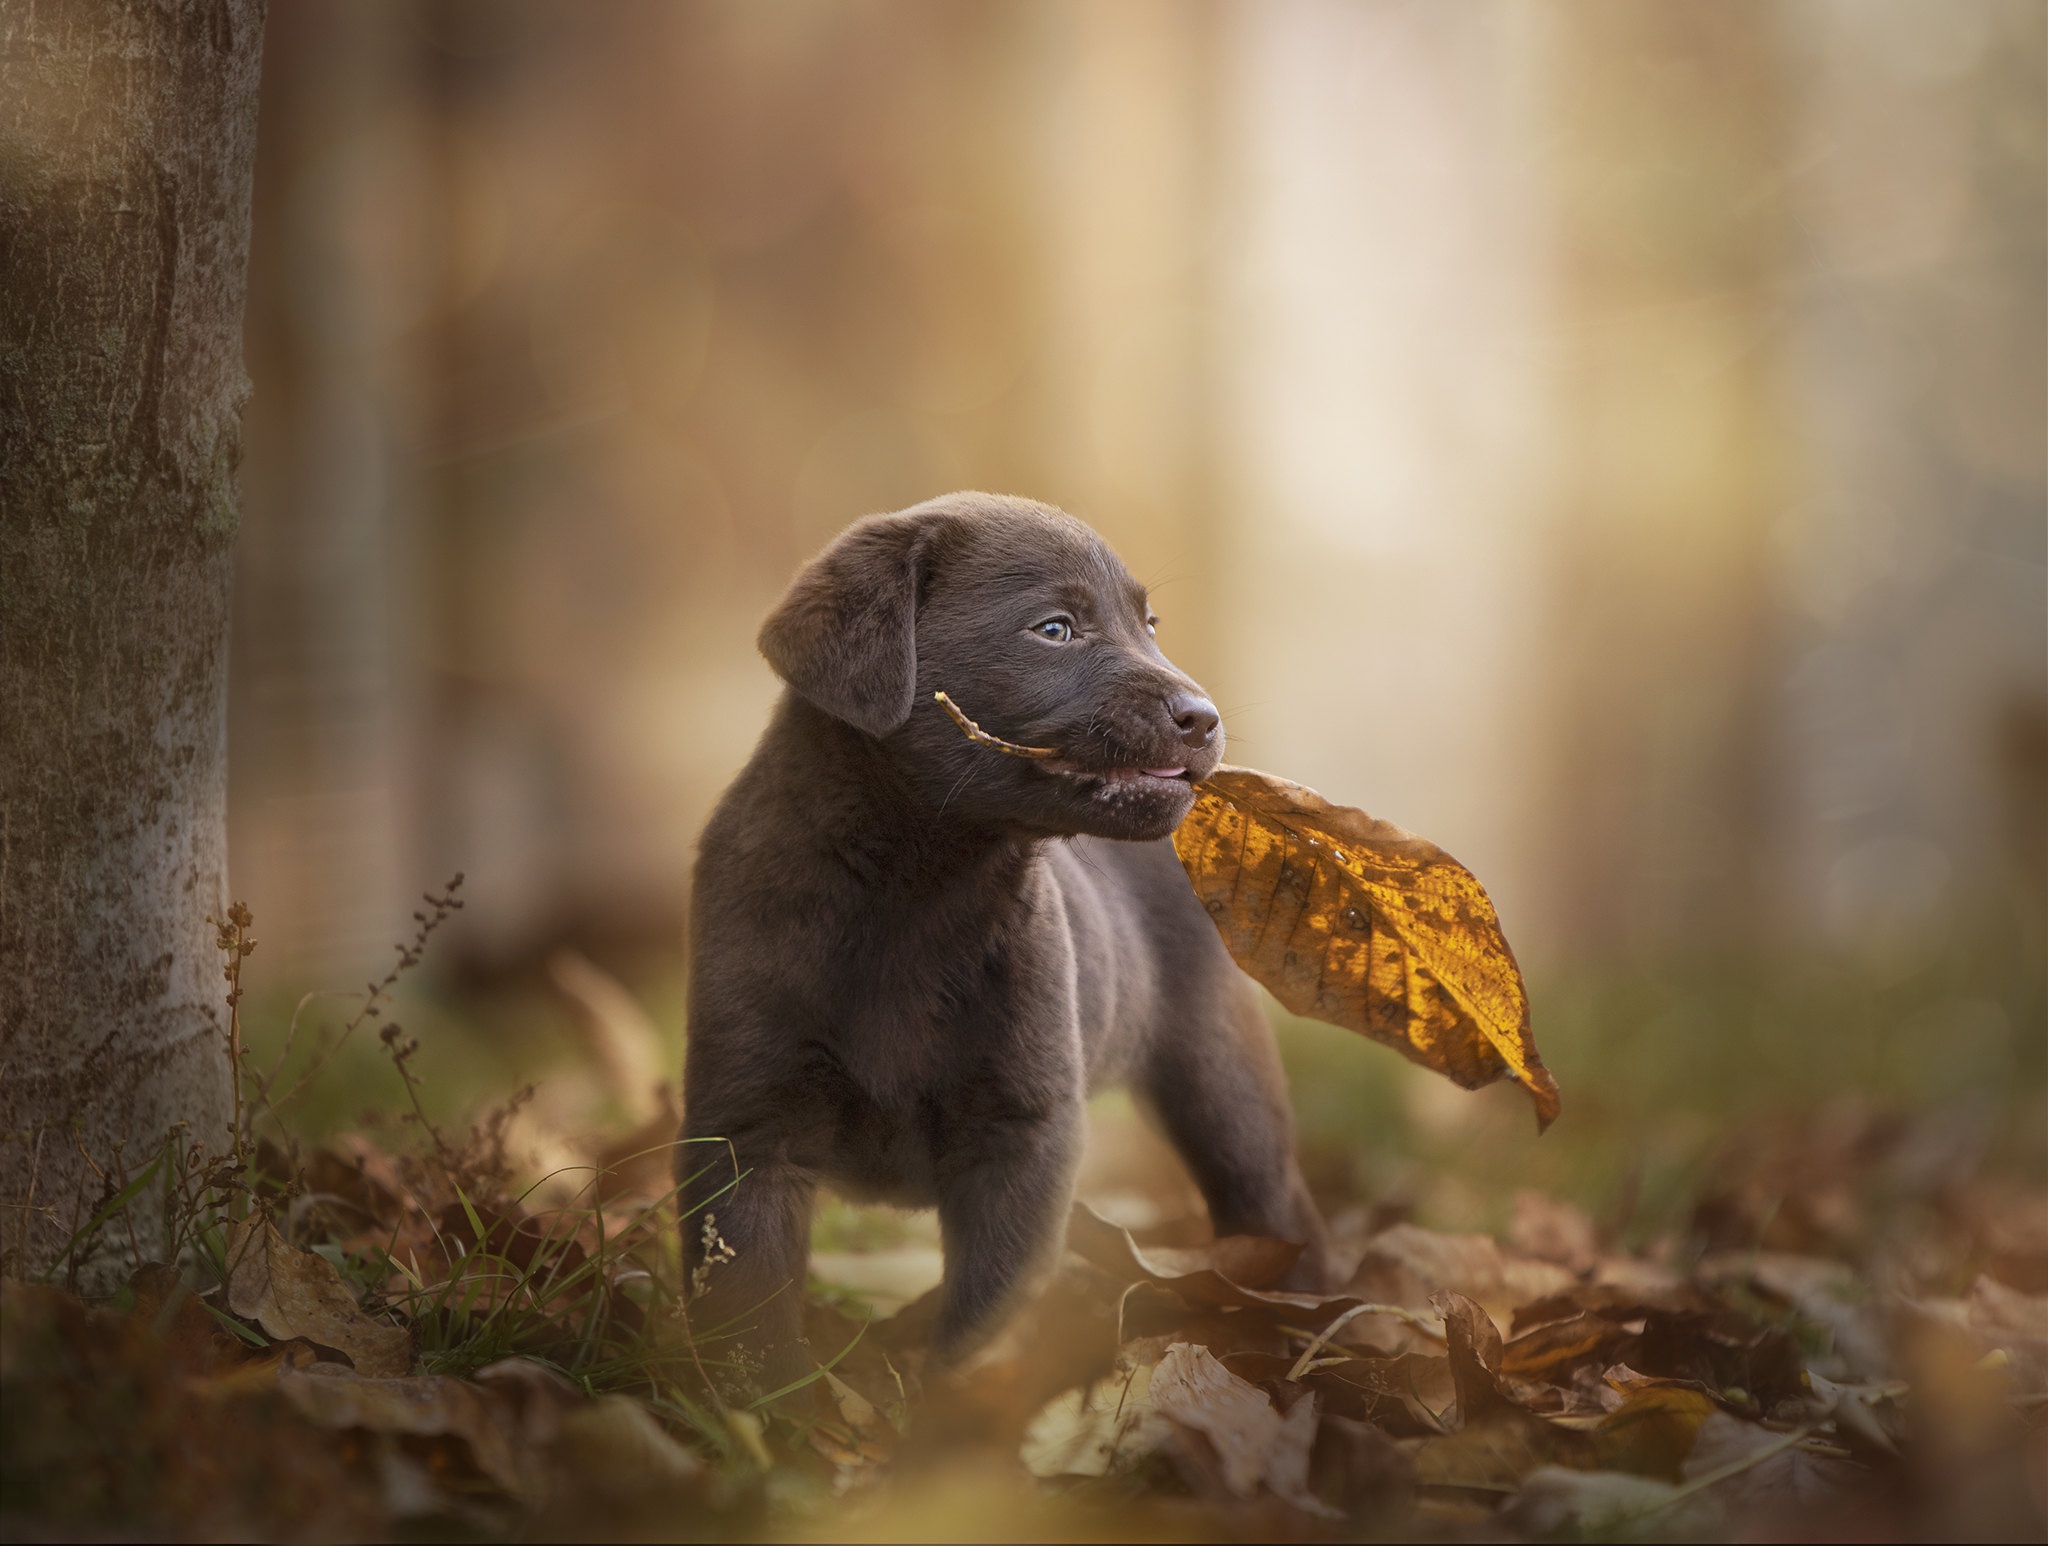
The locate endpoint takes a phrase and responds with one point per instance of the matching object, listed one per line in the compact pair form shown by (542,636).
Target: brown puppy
(915,957)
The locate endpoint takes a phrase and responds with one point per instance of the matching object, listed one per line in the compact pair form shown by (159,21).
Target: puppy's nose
(1195,717)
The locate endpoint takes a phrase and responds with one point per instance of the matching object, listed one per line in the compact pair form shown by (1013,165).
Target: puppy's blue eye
(1057,629)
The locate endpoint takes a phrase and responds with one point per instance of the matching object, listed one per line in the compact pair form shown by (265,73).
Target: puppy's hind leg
(1214,1086)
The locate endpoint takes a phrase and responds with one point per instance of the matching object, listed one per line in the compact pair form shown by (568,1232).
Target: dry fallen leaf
(1474,1346)
(613,1445)
(1097,1429)
(1354,921)
(1551,1351)
(1825,1293)
(1409,1265)
(1544,1229)
(1254,1442)
(1186,1290)
(2013,1326)
(1406,1395)
(295,1293)
(429,1406)
(1652,1431)
(1558,1503)
(1235,1270)
(1780,1479)
(1494,1453)
(854,1433)
(155,1424)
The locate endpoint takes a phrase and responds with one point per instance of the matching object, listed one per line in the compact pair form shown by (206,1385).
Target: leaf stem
(981,737)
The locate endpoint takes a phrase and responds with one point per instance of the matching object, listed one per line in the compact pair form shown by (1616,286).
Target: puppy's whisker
(962,779)
(1081,853)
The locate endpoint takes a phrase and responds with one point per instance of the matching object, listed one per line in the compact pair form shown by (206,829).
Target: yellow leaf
(1354,921)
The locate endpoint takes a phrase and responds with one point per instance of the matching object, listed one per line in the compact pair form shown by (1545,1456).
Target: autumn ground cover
(1817,1318)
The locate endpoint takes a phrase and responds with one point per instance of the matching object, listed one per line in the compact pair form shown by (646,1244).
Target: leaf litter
(376,1339)
(426,1356)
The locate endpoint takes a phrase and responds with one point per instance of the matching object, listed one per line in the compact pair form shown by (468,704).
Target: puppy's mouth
(1115,774)
(1115,778)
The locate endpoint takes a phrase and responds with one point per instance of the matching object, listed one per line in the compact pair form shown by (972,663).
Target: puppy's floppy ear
(845,633)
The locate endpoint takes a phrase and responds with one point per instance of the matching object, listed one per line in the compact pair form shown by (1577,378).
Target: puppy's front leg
(1002,1214)
(744,1250)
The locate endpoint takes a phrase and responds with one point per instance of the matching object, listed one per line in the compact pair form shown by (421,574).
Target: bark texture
(127,132)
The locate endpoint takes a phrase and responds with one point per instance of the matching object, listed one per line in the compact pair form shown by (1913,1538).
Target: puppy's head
(1027,620)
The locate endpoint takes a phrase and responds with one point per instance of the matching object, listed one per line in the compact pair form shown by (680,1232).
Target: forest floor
(1837,1330)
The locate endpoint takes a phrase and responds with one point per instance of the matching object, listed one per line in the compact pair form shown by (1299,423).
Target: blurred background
(1605,438)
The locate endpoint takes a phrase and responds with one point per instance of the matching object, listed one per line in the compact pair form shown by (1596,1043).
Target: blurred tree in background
(1606,439)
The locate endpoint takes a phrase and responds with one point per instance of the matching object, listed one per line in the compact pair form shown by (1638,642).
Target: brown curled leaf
(294,1293)
(1354,921)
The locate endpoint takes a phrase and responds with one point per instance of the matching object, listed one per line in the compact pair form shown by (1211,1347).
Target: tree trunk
(127,131)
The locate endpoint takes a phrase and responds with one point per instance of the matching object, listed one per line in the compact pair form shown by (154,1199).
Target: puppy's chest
(923,1001)
(900,1036)
(886,1078)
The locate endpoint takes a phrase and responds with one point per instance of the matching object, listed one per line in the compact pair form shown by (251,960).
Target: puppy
(915,957)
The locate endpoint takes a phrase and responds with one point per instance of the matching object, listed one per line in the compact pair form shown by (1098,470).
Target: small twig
(1123,1428)
(981,737)
(408,957)
(696,1359)
(1322,1338)
(127,1213)
(28,1202)
(231,936)
(1427,1325)
(400,1047)
(1824,1448)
